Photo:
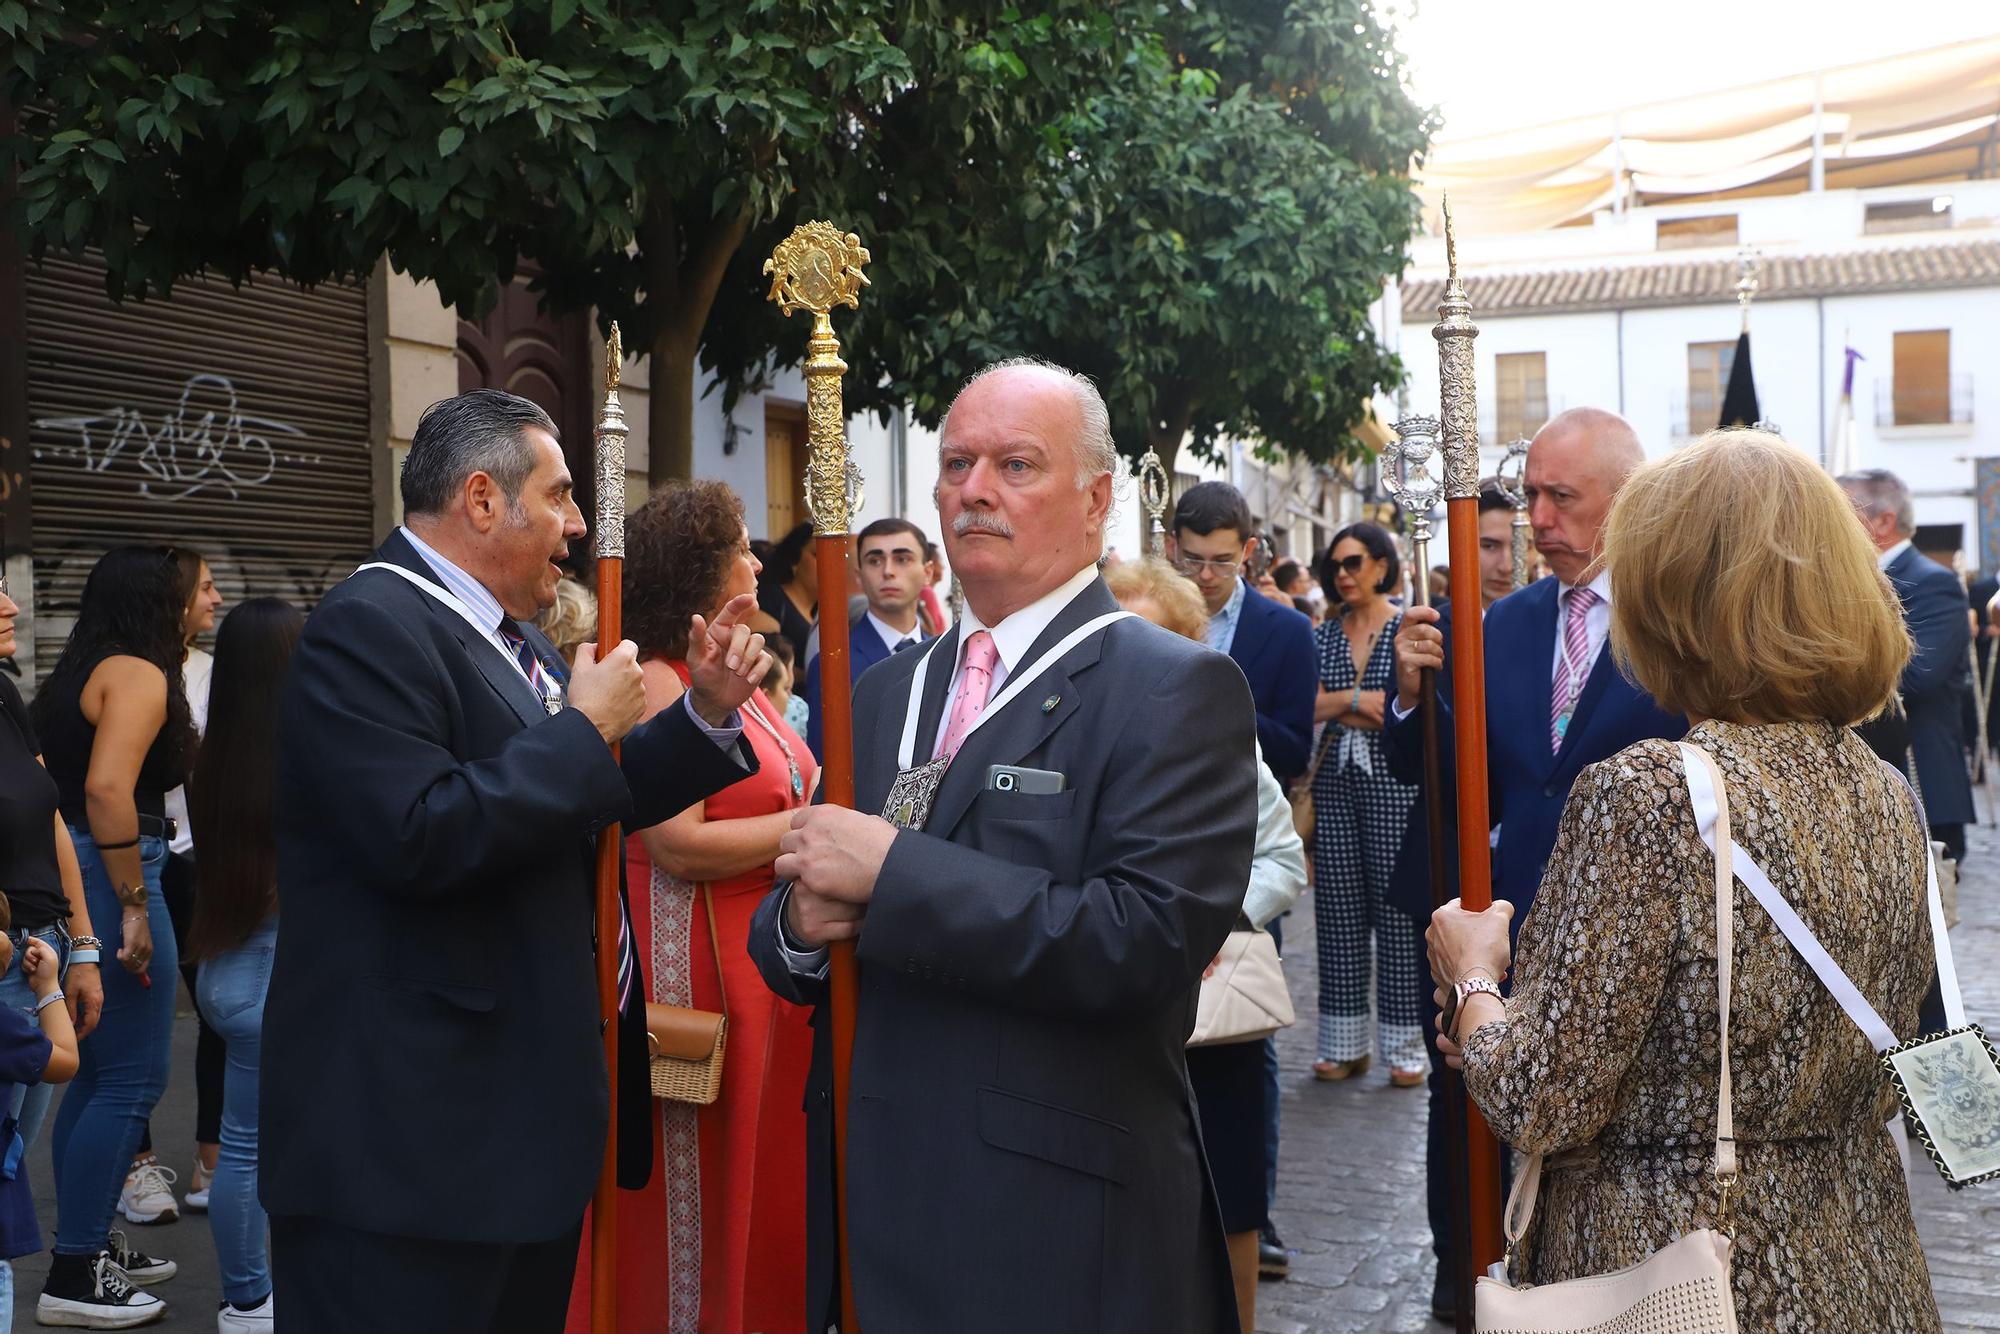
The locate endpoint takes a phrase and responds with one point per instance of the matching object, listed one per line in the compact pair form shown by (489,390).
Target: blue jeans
(6,1297)
(31,1101)
(122,1067)
(231,994)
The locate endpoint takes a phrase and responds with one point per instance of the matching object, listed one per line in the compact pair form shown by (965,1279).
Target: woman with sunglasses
(1358,814)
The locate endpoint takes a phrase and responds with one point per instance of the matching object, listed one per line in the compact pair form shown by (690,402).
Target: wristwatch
(1470,985)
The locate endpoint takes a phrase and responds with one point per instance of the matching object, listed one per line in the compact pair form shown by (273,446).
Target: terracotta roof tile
(1709,281)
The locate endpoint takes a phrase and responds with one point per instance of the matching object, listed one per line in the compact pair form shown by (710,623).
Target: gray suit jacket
(1022,1150)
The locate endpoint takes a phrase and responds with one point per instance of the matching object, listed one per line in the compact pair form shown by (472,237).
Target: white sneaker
(199,1180)
(259,1319)
(148,1196)
(108,1300)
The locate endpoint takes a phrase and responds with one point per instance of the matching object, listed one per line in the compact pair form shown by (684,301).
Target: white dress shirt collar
(1888,558)
(1016,634)
(475,595)
(891,636)
(1601,586)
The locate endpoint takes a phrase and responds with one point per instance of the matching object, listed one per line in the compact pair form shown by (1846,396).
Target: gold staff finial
(815,269)
(611,431)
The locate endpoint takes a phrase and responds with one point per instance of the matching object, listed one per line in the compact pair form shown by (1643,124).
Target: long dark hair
(187,570)
(786,553)
(229,795)
(131,606)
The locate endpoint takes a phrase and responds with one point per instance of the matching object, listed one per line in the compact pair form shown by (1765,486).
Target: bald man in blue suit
(1555,701)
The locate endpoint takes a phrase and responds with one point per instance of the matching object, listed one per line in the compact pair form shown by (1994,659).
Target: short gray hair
(1879,491)
(1096,453)
(483,430)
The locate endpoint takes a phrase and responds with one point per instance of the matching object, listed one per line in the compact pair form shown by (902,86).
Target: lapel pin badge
(1049,704)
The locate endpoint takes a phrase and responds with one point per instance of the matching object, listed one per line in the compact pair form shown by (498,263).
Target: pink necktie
(1573,666)
(974,685)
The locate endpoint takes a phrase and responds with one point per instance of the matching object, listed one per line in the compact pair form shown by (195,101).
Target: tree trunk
(683,273)
(670,411)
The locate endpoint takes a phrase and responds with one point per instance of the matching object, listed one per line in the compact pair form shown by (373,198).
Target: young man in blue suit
(1933,685)
(1555,700)
(1210,540)
(890,553)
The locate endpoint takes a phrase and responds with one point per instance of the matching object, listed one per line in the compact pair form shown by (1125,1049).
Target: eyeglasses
(1191,565)
(1350,564)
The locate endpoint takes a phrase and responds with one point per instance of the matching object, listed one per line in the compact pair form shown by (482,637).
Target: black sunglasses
(1351,564)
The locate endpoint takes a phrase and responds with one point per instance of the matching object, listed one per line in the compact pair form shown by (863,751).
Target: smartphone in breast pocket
(1026,782)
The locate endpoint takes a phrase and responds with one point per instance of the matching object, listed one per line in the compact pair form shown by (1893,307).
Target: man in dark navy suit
(890,554)
(433,1004)
(1210,539)
(1555,700)
(1933,685)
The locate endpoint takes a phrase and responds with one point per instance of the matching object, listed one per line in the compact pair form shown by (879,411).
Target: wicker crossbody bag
(685,1044)
(1683,1288)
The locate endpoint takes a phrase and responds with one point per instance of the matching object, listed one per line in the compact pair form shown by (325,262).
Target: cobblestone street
(1351,1169)
(1350,1186)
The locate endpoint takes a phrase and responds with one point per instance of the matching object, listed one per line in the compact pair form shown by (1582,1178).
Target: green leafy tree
(1204,237)
(626,152)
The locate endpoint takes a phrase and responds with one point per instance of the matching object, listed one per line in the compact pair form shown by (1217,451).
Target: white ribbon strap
(1702,793)
(1712,818)
(906,752)
(450,600)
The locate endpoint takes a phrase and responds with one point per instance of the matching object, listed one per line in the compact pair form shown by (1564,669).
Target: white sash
(450,599)
(1701,792)
(1016,683)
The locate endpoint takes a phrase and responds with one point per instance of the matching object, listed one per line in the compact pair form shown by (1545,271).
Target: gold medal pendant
(910,796)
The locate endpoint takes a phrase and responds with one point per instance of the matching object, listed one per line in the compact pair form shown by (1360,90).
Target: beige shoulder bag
(1301,795)
(1680,1289)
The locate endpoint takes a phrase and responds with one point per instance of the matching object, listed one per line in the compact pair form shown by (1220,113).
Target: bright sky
(1498,64)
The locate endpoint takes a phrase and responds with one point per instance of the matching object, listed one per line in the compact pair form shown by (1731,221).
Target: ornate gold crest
(817,268)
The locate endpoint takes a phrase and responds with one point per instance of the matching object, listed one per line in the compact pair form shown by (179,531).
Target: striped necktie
(627,955)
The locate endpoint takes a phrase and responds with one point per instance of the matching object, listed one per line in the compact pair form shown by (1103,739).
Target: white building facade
(1637,312)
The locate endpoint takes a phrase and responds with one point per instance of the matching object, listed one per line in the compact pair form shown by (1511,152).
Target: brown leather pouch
(685,1044)
(682,1033)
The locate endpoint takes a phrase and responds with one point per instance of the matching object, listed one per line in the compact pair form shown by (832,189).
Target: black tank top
(66,743)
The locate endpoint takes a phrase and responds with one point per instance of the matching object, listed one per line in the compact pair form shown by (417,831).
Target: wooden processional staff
(610,525)
(815,269)
(1408,476)
(1458,410)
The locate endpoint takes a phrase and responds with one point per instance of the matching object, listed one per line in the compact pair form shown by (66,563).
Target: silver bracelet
(48,1000)
(83,956)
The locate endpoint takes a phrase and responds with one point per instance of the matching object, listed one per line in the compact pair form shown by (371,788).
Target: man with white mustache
(1032,926)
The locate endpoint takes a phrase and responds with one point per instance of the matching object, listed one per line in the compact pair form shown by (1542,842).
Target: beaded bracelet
(84,943)
(48,1000)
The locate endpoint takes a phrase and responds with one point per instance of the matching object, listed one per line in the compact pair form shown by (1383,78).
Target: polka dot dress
(1359,811)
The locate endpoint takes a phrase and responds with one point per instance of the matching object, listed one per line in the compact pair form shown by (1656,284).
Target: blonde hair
(1171,592)
(572,620)
(1744,588)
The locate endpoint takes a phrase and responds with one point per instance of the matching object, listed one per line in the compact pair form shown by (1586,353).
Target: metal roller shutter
(234,421)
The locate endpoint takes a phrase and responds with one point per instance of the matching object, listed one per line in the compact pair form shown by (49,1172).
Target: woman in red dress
(716,1242)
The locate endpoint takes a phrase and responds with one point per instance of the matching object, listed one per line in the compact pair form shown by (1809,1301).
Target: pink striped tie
(974,685)
(1574,667)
